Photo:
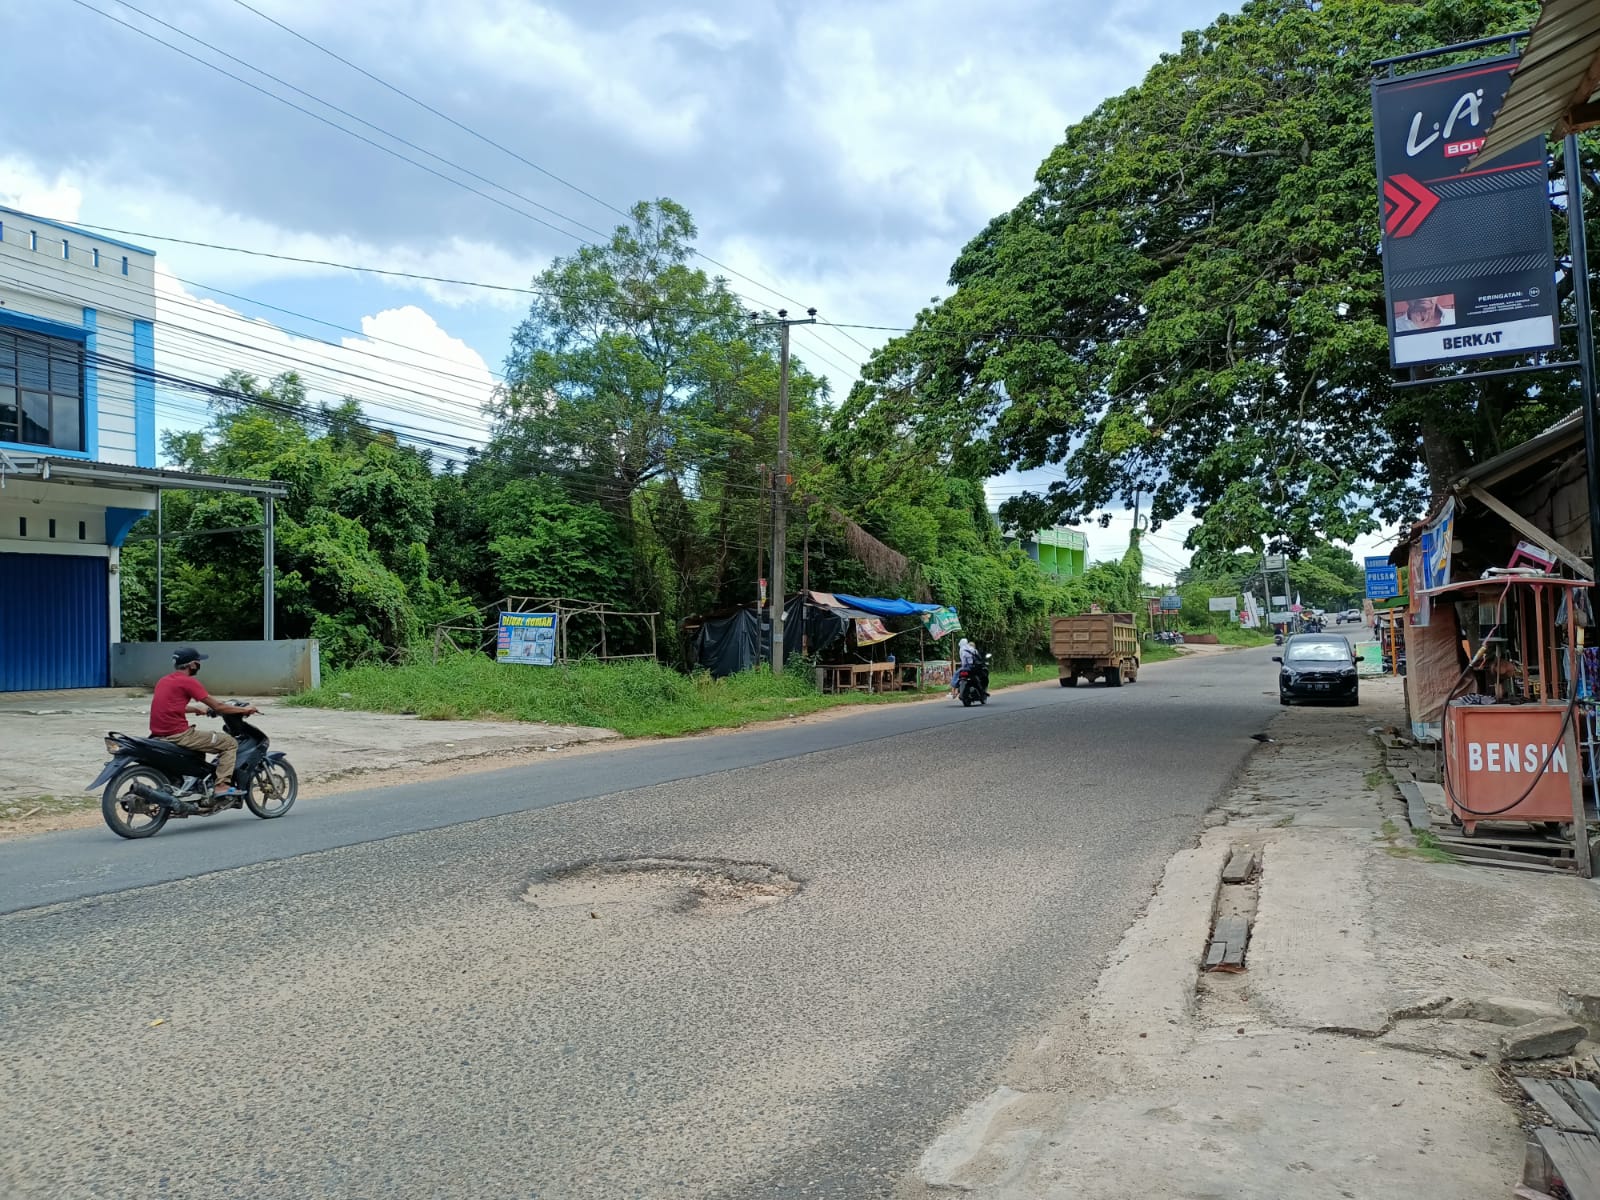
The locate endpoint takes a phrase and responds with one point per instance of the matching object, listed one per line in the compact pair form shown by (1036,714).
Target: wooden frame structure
(591,619)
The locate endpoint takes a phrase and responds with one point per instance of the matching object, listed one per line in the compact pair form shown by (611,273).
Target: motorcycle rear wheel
(272,790)
(126,814)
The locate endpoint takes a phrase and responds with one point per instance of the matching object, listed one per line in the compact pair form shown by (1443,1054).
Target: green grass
(1375,779)
(1426,849)
(1154,652)
(1237,635)
(23,807)
(642,699)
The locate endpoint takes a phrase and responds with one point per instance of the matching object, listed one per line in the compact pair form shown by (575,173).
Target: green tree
(1189,303)
(353,567)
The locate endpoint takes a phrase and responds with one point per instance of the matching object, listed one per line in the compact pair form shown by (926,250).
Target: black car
(1318,666)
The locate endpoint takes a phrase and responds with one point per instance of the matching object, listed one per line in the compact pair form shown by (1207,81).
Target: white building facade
(77,423)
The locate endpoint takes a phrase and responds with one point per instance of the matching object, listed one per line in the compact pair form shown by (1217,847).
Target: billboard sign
(1274,562)
(1171,602)
(1468,270)
(1226,604)
(527,638)
(1383,580)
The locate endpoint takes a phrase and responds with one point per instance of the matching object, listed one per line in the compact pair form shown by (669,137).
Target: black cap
(187,655)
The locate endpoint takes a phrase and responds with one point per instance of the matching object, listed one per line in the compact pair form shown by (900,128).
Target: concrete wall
(101,292)
(243,669)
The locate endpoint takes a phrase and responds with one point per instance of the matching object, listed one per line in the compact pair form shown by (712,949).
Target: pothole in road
(692,887)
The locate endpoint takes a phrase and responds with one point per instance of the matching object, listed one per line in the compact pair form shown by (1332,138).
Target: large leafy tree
(641,385)
(1189,303)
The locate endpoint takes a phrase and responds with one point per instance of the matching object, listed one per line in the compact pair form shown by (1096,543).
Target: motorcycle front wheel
(272,790)
(128,815)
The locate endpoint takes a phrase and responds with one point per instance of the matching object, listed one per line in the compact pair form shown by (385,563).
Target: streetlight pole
(780,479)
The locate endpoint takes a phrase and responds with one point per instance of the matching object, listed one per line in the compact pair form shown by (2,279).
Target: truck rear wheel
(1130,672)
(1069,681)
(1114,676)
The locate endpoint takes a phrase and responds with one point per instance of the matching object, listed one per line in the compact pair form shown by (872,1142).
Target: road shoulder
(1330,1065)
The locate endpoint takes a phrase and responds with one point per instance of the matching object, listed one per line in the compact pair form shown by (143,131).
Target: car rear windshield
(1318,652)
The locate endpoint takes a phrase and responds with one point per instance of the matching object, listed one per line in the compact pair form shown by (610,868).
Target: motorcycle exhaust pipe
(156,796)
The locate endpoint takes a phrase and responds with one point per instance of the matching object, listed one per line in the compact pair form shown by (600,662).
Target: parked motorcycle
(149,781)
(972,683)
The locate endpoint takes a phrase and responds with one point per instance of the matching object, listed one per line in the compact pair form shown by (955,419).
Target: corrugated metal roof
(1553,89)
(77,470)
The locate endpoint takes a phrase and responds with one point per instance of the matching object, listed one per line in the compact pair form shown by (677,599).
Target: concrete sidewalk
(1333,1066)
(55,743)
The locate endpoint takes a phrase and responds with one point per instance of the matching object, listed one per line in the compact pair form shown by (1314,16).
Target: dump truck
(1095,645)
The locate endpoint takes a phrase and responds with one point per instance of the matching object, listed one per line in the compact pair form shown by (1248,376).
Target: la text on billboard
(1468,269)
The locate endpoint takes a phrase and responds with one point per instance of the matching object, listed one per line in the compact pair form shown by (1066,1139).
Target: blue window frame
(41,391)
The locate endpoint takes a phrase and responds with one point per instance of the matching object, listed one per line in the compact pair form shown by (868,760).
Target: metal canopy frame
(47,469)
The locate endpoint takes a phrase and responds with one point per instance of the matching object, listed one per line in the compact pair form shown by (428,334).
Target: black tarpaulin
(738,641)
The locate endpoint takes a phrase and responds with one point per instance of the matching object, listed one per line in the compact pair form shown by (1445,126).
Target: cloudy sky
(836,153)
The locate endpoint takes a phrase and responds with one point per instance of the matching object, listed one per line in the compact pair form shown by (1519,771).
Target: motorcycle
(972,683)
(149,781)
(1277,639)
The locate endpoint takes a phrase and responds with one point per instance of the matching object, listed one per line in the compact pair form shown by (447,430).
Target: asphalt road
(359,1001)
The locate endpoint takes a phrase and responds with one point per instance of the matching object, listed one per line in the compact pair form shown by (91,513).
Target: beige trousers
(220,744)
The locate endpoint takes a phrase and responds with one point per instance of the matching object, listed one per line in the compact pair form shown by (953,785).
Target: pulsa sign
(528,638)
(1468,269)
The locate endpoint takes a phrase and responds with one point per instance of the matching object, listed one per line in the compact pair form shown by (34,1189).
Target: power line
(467,129)
(351,132)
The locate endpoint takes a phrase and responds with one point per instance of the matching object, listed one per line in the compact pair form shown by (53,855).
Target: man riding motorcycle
(170,708)
(969,655)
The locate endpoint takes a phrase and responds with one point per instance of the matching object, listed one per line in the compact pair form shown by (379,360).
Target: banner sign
(1383,580)
(941,622)
(1223,604)
(1436,539)
(528,638)
(870,630)
(1468,270)
(1171,602)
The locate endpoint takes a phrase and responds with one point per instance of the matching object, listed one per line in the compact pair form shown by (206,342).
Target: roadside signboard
(1436,539)
(1280,618)
(1274,562)
(1223,604)
(1383,580)
(1468,269)
(527,638)
(1171,602)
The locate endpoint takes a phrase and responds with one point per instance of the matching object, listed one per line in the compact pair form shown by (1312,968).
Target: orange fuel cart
(1512,724)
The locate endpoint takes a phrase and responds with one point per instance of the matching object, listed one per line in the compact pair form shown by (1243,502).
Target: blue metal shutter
(54,622)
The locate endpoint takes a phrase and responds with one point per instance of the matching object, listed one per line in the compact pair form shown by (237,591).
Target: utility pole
(780,479)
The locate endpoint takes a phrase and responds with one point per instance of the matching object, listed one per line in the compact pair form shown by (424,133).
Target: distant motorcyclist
(968,656)
(170,708)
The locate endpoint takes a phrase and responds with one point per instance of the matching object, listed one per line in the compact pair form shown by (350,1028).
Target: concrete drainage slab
(681,886)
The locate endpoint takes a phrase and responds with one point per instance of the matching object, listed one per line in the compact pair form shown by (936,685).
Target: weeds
(1425,849)
(639,699)
(1375,780)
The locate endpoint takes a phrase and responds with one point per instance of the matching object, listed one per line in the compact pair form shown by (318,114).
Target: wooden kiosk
(1511,745)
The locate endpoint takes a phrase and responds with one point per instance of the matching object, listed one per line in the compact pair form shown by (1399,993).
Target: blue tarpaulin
(885,608)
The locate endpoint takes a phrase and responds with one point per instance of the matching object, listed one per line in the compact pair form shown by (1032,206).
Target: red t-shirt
(173,693)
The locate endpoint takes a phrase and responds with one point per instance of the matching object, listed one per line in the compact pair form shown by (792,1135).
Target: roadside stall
(1511,721)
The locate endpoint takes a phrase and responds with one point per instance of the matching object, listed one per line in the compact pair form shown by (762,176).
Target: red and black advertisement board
(1468,269)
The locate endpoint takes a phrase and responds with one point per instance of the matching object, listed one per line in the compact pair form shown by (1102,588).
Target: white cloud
(407,372)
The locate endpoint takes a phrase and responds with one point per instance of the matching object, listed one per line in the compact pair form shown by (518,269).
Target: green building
(1062,552)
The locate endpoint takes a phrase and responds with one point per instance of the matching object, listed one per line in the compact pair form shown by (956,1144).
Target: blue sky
(840,152)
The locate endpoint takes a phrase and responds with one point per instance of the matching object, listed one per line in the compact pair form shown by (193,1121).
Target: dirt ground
(55,746)
(1332,1066)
